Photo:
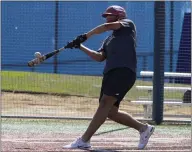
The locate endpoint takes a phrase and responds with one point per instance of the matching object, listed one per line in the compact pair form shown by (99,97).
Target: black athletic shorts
(117,83)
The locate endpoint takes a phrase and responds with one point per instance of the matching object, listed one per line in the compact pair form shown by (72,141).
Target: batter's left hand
(81,38)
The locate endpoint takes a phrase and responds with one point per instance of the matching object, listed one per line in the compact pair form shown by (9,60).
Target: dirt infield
(25,135)
(39,135)
(15,104)
(52,105)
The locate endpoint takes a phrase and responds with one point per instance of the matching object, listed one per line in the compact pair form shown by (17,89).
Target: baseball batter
(119,74)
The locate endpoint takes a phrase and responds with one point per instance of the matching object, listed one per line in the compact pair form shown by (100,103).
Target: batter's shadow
(105,132)
(107,150)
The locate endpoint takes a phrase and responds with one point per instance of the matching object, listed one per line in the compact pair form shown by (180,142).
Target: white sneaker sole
(78,147)
(81,147)
(151,132)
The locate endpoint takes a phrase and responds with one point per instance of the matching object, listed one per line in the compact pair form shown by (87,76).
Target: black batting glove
(76,43)
(81,38)
(73,44)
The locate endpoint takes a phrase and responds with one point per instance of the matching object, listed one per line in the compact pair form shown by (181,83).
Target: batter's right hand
(76,44)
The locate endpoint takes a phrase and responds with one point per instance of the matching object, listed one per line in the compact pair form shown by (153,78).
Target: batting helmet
(116,11)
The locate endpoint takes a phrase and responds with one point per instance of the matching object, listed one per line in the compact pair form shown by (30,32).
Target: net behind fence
(68,85)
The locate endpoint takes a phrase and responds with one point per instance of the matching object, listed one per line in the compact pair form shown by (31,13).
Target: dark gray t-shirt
(119,47)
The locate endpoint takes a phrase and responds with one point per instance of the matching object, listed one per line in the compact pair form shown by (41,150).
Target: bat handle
(69,45)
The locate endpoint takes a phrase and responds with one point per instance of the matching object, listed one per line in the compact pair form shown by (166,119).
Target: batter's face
(111,18)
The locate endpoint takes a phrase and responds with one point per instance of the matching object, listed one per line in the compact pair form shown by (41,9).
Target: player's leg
(126,79)
(126,119)
(105,105)
(100,116)
(102,100)
(106,102)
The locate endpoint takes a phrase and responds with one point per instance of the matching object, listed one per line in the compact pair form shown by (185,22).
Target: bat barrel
(46,56)
(35,61)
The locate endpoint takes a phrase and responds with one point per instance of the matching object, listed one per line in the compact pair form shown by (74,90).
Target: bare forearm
(103,28)
(93,54)
(97,30)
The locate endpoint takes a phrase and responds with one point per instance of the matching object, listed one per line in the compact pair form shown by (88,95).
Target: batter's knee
(113,112)
(111,115)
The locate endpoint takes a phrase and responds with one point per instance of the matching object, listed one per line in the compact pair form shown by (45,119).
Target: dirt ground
(19,104)
(51,105)
(33,135)
(28,135)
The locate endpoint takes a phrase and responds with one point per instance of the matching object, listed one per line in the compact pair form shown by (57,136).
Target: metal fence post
(159,50)
(56,35)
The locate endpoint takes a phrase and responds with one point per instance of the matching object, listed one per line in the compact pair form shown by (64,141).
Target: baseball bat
(48,55)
